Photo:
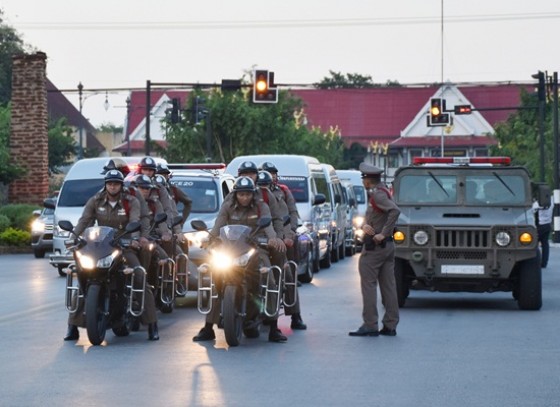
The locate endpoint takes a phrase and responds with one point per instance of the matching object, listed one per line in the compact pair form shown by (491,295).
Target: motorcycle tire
(122,327)
(167,308)
(233,320)
(96,314)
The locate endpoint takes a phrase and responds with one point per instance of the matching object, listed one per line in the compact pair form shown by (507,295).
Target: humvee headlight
(526,238)
(420,237)
(398,236)
(503,239)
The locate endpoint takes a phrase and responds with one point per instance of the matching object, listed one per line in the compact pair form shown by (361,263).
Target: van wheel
(342,250)
(325,262)
(334,254)
(39,254)
(316,266)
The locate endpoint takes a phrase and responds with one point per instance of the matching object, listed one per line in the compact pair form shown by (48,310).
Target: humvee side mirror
(543,195)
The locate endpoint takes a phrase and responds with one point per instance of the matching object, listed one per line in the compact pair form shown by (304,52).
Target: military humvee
(466,224)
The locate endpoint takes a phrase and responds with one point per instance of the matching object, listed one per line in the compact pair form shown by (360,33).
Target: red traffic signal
(264,90)
(462,109)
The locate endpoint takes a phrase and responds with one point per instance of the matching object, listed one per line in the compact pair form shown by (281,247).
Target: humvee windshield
(476,189)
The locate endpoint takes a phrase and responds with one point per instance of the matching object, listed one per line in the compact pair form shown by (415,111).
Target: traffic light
(175,110)
(264,90)
(436,116)
(199,110)
(462,109)
(541,87)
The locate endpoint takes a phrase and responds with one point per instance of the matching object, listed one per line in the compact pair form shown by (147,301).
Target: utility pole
(81,150)
(148,112)
(556,212)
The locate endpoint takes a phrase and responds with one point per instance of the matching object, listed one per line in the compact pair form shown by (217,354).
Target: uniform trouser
(253,286)
(378,266)
(544,232)
(280,259)
(148,316)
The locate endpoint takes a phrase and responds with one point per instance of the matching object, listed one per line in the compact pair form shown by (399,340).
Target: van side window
(322,187)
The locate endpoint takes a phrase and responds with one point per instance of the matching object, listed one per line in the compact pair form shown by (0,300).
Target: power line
(266,24)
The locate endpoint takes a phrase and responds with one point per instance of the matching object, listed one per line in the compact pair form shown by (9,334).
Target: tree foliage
(338,80)
(8,171)
(10,44)
(236,126)
(62,145)
(518,138)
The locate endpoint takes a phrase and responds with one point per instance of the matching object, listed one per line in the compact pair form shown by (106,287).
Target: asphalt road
(451,349)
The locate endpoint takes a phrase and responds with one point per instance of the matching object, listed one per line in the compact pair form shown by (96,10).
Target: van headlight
(38,226)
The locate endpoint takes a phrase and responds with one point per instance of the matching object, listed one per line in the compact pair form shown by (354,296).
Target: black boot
(297,322)
(72,334)
(275,334)
(205,334)
(153,334)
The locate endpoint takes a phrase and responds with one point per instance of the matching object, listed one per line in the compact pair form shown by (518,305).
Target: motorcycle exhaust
(136,287)
(166,275)
(73,296)
(271,285)
(206,289)
(290,283)
(182,267)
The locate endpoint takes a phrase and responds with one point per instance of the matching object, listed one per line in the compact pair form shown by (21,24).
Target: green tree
(338,80)
(518,137)
(110,128)
(62,145)
(8,171)
(10,44)
(240,127)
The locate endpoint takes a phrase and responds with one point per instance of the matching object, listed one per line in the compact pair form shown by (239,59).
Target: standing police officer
(377,261)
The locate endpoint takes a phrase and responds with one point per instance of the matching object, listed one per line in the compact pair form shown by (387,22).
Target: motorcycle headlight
(197,238)
(222,261)
(359,221)
(88,263)
(38,226)
(503,239)
(421,237)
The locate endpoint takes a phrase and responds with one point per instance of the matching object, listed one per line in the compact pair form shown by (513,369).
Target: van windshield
(297,186)
(360,193)
(202,192)
(75,193)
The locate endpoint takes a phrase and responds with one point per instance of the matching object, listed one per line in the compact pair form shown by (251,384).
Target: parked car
(351,213)
(338,213)
(42,231)
(355,178)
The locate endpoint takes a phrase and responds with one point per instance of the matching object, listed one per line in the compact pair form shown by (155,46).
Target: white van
(354,177)
(83,180)
(306,179)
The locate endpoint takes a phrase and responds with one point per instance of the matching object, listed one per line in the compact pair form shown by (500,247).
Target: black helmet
(246,167)
(268,166)
(264,178)
(160,180)
(114,176)
(147,163)
(116,164)
(143,181)
(244,184)
(163,169)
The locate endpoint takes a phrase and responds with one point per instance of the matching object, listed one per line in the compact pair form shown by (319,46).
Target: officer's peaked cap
(368,170)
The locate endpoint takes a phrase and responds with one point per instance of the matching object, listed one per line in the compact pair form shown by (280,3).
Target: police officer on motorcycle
(115,208)
(244,209)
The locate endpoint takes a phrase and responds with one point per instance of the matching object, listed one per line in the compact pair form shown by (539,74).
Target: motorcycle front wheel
(233,320)
(96,314)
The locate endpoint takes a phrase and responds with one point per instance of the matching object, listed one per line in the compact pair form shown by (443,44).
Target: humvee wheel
(529,284)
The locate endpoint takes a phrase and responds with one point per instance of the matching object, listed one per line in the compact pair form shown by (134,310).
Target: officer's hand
(379,238)
(145,243)
(180,237)
(135,244)
(166,237)
(288,242)
(368,229)
(277,244)
(204,243)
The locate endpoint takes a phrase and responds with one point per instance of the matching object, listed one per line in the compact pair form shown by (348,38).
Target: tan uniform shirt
(384,214)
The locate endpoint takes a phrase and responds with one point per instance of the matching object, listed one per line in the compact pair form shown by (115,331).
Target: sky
(120,44)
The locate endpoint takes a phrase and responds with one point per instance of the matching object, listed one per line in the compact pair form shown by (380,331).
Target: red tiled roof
(138,104)
(450,141)
(137,145)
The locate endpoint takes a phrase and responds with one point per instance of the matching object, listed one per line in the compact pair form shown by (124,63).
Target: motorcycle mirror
(319,199)
(160,217)
(264,222)
(66,225)
(199,225)
(133,227)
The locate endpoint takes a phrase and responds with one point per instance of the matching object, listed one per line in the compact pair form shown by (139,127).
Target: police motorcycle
(100,277)
(225,276)
(172,272)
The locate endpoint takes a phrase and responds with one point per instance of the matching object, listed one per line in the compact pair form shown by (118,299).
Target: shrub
(15,237)
(20,215)
(4,222)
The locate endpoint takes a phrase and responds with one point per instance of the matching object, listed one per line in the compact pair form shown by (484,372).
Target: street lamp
(127,125)
(82,100)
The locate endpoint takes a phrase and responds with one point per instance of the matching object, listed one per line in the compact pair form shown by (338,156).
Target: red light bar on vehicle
(462,160)
(198,166)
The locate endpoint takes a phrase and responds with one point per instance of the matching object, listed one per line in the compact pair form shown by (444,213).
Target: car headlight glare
(358,221)
(503,239)
(38,226)
(421,237)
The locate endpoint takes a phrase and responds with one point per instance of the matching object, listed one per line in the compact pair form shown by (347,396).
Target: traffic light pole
(556,212)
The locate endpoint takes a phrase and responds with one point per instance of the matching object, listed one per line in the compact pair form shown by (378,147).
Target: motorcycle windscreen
(99,241)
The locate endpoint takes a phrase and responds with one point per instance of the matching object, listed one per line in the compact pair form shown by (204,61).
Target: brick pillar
(29,147)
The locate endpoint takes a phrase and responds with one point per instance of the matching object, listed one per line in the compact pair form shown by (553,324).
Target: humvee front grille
(460,255)
(463,238)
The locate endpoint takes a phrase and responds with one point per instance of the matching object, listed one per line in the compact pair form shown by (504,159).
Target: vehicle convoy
(113,293)
(226,276)
(466,224)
